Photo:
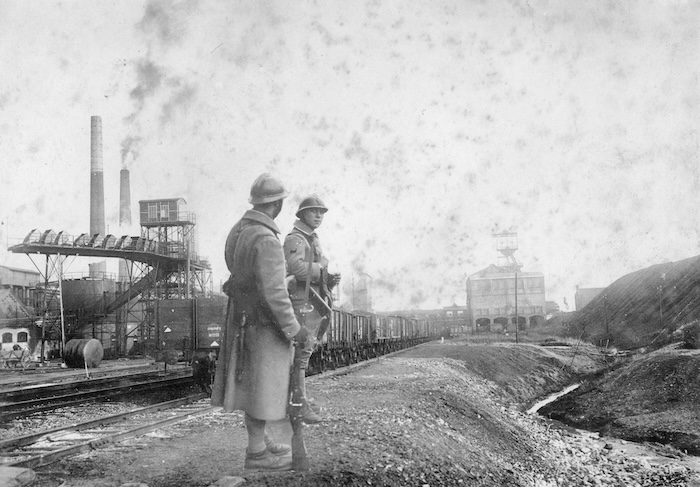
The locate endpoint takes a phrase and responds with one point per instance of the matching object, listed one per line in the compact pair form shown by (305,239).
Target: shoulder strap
(309,240)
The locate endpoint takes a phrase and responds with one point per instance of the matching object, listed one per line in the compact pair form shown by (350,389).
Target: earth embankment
(652,397)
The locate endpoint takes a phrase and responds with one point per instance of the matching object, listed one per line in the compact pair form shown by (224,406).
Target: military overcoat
(256,354)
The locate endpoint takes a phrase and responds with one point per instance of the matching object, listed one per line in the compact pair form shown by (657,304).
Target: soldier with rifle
(255,358)
(310,290)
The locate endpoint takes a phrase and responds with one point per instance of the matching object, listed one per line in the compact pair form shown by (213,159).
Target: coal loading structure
(159,269)
(162,273)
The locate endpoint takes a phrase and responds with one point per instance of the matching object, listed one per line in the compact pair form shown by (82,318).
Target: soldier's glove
(333,280)
(301,337)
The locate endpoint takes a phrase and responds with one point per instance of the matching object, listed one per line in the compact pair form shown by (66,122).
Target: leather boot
(314,407)
(266,461)
(278,449)
(308,415)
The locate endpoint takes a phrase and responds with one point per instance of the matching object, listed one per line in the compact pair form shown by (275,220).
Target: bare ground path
(440,414)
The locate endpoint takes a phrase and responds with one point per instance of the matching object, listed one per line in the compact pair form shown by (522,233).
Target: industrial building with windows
(500,296)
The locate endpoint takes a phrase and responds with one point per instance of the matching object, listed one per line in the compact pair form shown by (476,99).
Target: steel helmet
(311,201)
(267,189)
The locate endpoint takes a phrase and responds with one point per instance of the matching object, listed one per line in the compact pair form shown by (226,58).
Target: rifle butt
(300,461)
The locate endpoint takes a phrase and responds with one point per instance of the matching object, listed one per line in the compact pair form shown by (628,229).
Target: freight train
(353,337)
(177,328)
(186,326)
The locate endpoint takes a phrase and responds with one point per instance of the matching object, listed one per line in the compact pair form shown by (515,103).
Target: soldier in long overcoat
(309,268)
(256,354)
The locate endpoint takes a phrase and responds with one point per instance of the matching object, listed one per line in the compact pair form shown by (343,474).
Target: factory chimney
(97,192)
(121,317)
(124,215)
(124,199)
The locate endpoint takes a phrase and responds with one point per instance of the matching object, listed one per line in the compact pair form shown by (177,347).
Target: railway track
(25,401)
(20,390)
(46,447)
(9,378)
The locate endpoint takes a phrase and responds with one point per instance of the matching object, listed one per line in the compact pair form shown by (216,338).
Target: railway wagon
(353,337)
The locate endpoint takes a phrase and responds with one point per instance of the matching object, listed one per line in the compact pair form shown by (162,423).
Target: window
(152,211)
(22,337)
(7,338)
(164,209)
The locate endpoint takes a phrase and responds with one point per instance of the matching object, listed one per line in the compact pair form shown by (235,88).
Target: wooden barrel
(79,352)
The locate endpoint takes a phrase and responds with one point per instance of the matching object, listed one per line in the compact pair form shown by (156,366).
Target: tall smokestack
(97,190)
(124,215)
(124,199)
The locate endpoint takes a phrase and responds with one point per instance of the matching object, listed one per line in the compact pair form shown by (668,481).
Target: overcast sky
(424,126)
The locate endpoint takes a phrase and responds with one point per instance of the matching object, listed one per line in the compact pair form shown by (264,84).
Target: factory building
(494,303)
(21,282)
(500,296)
(17,313)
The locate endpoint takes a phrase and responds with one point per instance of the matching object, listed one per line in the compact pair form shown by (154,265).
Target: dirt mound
(524,372)
(653,397)
(642,308)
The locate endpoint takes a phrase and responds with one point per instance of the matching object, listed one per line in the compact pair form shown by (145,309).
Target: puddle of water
(539,405)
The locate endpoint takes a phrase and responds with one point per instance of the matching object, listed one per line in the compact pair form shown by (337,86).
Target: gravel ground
(93,410)
(441,414)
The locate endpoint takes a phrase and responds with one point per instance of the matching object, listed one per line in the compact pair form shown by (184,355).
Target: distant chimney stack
(124,199)
(124,216)
(97,191)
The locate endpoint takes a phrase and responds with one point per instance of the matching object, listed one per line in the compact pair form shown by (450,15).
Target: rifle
(326,308)
(326,312)
(240,348)
(300,461)
(238,329)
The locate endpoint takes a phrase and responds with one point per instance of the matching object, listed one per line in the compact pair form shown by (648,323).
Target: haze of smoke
(164,22)
(149,78)
(180,98)
(130,147)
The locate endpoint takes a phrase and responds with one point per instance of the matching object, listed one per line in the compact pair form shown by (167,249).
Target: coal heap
(642,308)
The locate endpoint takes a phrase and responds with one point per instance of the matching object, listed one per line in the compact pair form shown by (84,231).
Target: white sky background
(424,126)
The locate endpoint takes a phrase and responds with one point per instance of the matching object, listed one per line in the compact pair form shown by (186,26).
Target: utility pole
(661,295)
(516,306)
(467,310)
(605,313)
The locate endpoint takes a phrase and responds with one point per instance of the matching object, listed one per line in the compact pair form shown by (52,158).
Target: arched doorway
(536,320)
(522,323)
(500,324)
(483,325)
